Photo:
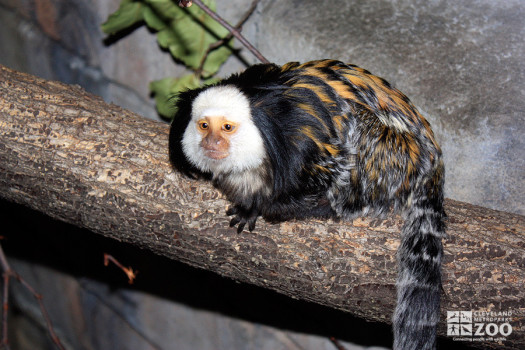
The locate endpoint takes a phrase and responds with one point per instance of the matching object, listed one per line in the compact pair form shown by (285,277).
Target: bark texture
(76,158)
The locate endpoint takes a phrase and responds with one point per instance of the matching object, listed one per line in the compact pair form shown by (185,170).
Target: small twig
(127,270)
(227,38)
(226,25)
(43,310)
(8,272)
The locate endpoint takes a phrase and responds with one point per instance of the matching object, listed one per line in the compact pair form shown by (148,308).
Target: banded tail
(419,277)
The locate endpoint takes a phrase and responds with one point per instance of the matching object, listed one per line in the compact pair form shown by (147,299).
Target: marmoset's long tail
(419,277)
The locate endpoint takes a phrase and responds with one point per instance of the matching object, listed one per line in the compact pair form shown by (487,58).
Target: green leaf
(128,14)
(166,9)
(197,39)
(211,81)
(215,60)
(167,39)
(187,34)
(165,92)
(152,20)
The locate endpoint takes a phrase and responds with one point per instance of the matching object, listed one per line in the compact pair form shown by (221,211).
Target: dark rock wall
(461,62)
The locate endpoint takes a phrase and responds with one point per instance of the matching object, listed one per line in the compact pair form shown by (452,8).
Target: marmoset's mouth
(215,154)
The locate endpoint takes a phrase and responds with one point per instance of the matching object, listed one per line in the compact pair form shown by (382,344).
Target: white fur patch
(246,145)
(393,122)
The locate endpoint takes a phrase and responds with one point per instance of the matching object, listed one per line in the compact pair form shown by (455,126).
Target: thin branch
(127,270)
(43,310)
(231,29)
(224,40)
(247,15)
(9,272)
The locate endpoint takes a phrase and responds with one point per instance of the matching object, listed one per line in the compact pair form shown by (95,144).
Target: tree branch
(224,40)
(70,155)
(8,272)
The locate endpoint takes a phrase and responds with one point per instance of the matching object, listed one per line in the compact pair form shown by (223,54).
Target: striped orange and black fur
(335,141)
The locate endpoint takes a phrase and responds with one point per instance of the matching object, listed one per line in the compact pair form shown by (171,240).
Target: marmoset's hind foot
(242,218)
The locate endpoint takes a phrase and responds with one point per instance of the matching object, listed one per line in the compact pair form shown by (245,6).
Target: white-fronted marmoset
(324,139)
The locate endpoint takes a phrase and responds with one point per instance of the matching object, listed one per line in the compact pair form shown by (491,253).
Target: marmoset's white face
(221,136)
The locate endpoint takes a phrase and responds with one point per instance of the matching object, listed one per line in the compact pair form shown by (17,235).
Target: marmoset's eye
(228,127)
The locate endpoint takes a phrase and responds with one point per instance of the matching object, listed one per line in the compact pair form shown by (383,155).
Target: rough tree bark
(76,158)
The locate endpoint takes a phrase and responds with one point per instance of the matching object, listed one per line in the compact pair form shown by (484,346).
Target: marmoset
(324,139)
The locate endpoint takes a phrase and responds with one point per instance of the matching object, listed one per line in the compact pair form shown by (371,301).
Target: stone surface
(460,62)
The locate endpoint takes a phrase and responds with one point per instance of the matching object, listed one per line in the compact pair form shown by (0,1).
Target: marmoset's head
(221,135)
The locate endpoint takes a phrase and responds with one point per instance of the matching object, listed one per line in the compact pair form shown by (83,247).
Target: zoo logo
(479,325)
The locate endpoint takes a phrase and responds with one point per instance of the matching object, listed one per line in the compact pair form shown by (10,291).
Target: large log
(69,154)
